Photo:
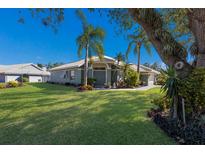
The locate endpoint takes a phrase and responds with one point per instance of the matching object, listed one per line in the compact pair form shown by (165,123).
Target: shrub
(12,84)
(161,79)
(2,85)
(192,89)
(25,79)
(84,88)
(91,81)
(131,78)
(163,103)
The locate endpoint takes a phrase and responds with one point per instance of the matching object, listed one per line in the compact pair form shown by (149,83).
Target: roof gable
(79,63)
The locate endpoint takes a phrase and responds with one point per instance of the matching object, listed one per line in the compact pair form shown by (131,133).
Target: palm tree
(90,40)
(120,57)
(138,40)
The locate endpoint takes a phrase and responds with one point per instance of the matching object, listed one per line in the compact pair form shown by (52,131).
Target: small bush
(163,103)
(85,88)
(2,85)
(131,78)
(91,81)
(25,80)
(12,84)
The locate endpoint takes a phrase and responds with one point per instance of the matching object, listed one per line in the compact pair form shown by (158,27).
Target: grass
(55,114)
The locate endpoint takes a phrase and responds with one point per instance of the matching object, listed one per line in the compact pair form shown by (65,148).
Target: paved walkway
(140,88)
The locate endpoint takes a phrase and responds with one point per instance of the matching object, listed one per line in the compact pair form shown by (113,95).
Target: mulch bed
(192,133)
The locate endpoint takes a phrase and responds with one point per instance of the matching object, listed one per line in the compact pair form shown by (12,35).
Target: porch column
(109,76)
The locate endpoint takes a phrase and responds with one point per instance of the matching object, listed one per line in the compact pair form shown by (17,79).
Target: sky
(32,42)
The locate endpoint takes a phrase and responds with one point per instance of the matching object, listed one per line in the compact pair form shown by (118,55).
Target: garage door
(99,75)
(35,79)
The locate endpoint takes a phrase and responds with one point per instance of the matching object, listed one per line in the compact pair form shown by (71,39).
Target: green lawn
(54,114)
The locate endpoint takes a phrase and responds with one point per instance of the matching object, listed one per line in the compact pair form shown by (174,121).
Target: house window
(66,75)
(72,75)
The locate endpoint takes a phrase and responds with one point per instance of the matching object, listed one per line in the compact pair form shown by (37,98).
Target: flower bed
(192,133)
(85,88)
(10,84)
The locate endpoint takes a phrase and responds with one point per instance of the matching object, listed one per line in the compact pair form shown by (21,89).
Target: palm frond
(120,57)
(81,42)
(97,48)
(132,37)
(82,17)
(147,46)
(171,85)
(88,30)
(129,49)
(98,33)
(80,48)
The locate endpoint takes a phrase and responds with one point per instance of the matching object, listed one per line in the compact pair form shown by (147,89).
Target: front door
(100,76)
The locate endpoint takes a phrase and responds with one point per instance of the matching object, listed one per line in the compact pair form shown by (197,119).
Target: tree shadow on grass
(91,118)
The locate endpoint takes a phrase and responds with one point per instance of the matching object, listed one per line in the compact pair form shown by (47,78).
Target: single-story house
(15,72)
(106,72)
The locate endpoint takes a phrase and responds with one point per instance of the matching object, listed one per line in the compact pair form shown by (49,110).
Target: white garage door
(151,80)
(35,79)
(11,78)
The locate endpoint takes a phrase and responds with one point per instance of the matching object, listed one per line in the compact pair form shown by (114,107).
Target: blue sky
(33,42)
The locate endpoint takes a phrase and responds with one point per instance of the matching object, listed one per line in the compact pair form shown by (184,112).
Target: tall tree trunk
(197,26)
(86,66)
(155,32)
(138,64)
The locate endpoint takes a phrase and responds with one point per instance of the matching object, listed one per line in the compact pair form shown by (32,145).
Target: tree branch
(152,23)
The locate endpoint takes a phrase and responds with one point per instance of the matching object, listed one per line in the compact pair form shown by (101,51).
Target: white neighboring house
(32,71)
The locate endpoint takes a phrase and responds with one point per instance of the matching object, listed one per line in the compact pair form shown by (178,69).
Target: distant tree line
(50,65)
(156,66)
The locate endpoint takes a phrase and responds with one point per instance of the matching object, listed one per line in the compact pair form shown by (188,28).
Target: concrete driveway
(139,88)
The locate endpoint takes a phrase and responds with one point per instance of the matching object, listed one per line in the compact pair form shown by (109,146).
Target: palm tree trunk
(138,64)
(86,67)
